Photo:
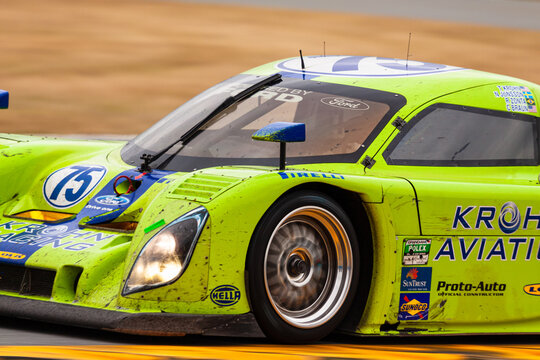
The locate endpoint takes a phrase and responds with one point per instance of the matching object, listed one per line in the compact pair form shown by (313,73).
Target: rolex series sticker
(416,252)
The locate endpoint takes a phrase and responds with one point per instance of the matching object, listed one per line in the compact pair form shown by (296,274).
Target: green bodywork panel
(467,274)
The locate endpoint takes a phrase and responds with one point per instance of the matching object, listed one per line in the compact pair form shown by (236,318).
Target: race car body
(403,198)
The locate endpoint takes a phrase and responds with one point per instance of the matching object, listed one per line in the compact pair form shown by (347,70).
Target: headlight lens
(166,255)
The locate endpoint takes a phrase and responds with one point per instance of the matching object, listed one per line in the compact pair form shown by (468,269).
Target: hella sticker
(532,289)
(66,187)
(112,200)
(225,295)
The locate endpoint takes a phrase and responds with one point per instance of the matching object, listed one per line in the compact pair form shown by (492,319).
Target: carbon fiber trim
(162,324)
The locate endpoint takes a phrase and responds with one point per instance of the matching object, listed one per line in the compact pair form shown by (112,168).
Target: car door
(472,158)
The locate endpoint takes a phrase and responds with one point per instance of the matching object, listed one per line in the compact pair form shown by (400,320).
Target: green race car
(366,195)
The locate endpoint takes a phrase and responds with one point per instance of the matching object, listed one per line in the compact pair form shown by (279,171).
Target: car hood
(76,179)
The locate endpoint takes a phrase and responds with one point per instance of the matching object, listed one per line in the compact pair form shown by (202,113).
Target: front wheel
(302,268)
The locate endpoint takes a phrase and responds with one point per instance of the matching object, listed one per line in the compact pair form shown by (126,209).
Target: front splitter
(143,323)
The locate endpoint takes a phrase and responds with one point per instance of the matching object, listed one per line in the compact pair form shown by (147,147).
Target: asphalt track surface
(33,340)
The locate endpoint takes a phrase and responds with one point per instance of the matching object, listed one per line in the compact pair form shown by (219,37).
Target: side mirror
(282,132)
(4,99)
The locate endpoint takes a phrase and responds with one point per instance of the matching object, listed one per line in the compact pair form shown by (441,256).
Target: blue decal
(360,66)
(349,63)
(112,200)
(68,186)
(225,295)
(413,306)
(508,226)
(302,76)
(4,99)
(22,239)
(416,279)
(412,66)
(98,212)
(301,174)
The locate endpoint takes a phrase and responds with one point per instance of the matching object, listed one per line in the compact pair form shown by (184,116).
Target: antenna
(408,54)
(302,60)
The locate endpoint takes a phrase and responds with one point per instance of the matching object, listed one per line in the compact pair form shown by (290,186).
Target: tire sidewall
(270,322)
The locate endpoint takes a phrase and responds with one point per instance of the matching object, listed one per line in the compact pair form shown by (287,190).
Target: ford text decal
(344,103)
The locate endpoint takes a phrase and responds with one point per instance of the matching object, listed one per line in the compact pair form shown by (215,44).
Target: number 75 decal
(68,186)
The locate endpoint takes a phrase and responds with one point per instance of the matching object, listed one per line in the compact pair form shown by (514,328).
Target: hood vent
(203,187)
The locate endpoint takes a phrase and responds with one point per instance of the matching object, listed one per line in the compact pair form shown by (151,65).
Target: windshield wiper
(190,134)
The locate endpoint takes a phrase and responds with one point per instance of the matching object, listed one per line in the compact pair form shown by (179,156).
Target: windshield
(340,122)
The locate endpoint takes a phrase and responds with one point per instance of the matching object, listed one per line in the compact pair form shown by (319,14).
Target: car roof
(413,79)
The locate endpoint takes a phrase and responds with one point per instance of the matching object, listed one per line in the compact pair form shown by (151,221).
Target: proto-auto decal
(532,289)
(516,98)
(416,279)
(480,288)
(413,306)
(416,251)
(225,295)
(68,186)
(291,175)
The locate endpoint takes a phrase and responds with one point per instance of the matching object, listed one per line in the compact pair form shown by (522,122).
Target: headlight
(166,255)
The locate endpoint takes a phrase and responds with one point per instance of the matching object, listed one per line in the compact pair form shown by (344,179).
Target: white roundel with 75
(68,186)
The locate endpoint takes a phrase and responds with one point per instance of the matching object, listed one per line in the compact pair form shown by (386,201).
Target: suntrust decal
(508,218)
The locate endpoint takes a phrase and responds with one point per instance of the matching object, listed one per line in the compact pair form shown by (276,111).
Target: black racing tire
(302,268)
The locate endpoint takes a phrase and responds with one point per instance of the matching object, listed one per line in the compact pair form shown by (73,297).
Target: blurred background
(118,66)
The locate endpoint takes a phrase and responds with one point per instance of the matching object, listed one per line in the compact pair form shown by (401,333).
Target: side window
(451,135)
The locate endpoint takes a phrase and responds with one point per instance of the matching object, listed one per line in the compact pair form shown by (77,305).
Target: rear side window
(450,135)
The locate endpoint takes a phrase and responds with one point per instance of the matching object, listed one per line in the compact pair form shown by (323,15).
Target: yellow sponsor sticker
(413,307)
(11,255)
(532,289)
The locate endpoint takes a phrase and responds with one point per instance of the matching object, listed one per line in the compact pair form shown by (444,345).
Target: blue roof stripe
(347,64)
(298,75)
